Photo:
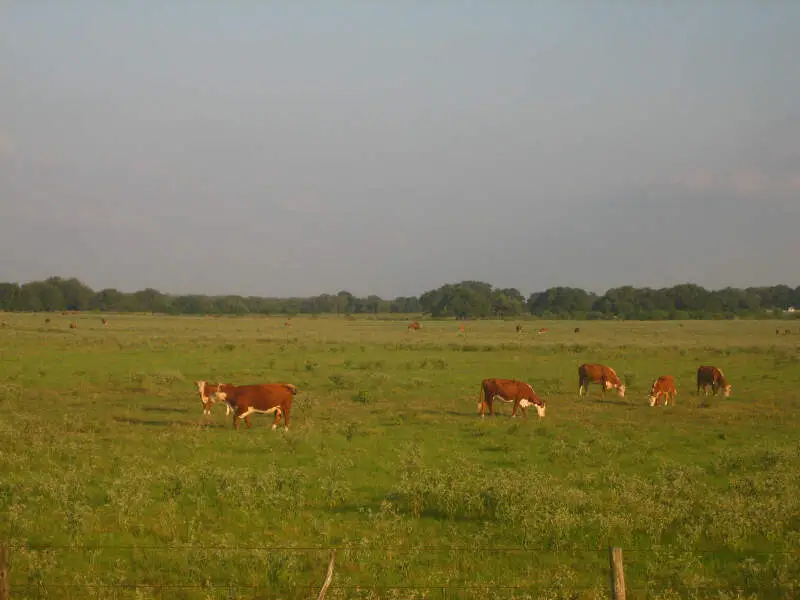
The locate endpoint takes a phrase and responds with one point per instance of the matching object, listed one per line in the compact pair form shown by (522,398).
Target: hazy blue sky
(296,148)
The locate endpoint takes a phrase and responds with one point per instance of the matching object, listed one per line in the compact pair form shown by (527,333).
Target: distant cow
(461,328)
(542,330)
(3,325)
(707,375)
(73,326)
(509,390)
(264,398)
(46,321)
(663,386)
(576,330)
(519,328)
(605,376)
(105,322)
(207,391)
(288,323)
(777,332)
(414,326)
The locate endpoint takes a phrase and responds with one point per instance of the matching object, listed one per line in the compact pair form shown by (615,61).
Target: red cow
(509,390)
(263,398)
(663,386)
(105,322)
(712,376)
(73,326)
(414,326)
(519,328)
(605,376)
(542,330)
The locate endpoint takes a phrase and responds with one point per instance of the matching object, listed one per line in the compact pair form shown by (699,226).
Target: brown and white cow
(542,330)
(414,326)
(663,386)
(207,391)
(605,376)
(104,322)
(509,390)
(268,398)
(707,375)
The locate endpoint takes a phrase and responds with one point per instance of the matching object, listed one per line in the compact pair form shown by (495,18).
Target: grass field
(112,482)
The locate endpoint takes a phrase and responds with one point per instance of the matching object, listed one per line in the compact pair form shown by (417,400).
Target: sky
(297,148)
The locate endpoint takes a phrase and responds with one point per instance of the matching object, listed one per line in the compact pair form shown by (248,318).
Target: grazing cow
(576,330)
(542,330)
(105,322)
(46,321)
(777,332)
(414,326)
(663,386)
(509,390)
(712,376)
(605,376)
(73,326)
(288,324)
(461,328)
(787,331)
(519,328)
(263,398)
(207,391)
(4,324)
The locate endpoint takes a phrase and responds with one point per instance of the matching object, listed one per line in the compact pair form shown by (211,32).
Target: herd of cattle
(276,398)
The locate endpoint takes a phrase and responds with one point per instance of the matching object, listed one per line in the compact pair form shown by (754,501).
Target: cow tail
(291,388)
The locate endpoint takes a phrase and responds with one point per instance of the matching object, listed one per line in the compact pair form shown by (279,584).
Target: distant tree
(9,296)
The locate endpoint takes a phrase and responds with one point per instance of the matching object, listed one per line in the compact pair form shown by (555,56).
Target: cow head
(726,391)
(621,390)
(652,400)
(540,405)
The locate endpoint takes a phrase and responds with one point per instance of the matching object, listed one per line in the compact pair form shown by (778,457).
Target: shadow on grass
(165,410)
(166,423)
(431,411)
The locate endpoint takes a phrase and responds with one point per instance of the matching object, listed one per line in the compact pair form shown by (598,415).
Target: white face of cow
(540,410)
(727,391)
(652,400)
(622,391)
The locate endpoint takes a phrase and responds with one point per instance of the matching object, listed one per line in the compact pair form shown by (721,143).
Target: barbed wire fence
(324,582)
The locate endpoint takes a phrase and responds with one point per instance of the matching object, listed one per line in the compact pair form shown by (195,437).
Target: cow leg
(514,409)
(285,412)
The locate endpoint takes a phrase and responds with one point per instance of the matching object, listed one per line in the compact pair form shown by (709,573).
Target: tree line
(464,300)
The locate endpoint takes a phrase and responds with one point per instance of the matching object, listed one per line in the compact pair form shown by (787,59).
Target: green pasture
(114,485)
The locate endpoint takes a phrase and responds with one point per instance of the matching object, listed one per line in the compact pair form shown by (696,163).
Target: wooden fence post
(5,582)
(617,574)
(328,578)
